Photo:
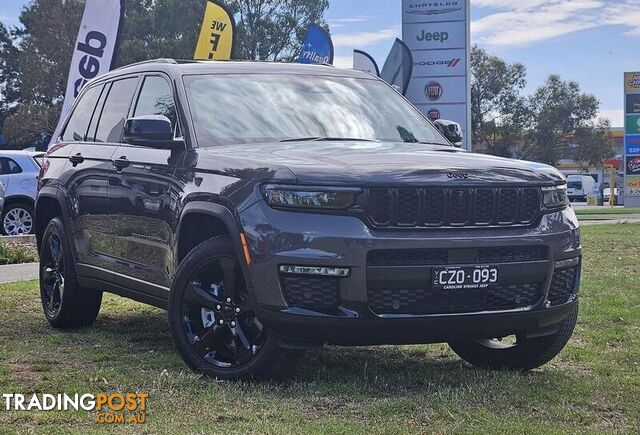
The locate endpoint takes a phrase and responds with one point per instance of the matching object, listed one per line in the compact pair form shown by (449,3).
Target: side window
(14,168)
(8,166)
(156,98)
(78,124)
(115,110)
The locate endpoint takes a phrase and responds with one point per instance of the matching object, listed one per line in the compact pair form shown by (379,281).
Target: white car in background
(1,198)
(19,172)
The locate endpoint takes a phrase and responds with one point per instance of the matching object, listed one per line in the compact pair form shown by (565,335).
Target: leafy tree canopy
(35,57)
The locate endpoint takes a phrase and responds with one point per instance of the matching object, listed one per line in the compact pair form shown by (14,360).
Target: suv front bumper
(277,238)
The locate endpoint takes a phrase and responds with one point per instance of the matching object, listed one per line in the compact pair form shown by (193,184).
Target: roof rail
(145,62)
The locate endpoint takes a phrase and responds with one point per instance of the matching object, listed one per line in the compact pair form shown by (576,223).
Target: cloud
(364,39)
(508,22)
(341,22)
(616,116)
(343,61)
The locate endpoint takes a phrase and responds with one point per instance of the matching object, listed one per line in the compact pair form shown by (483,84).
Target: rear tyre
(17,219)
(213,322)
(525,354)
(66,305)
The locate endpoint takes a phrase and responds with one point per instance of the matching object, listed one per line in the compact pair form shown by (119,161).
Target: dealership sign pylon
(438,34)
(632,139)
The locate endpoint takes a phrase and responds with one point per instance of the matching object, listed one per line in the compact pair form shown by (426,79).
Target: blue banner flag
(317,47)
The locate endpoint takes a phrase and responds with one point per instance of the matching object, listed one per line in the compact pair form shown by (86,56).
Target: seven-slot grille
(410,207)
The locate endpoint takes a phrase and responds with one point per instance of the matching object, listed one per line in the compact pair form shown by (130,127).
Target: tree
(594,144)
(9,78)
(266,29)
(44,46)
(498,111)
(274,29)
(35,58)
(562,117)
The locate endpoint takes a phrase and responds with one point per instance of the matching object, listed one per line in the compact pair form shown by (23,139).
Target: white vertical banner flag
(94,51)
(364,62)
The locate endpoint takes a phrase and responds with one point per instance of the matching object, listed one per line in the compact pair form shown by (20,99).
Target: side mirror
(154,131)
(451,130)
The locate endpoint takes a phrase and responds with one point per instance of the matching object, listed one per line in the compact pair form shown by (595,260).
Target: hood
(368,163)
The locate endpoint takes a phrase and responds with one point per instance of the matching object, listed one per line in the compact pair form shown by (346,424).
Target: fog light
(318,271)
(563,264)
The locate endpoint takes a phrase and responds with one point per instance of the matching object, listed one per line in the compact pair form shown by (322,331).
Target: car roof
(177,68)
(20,153)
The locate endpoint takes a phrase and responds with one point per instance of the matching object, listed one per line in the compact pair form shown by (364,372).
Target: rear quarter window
(9,166)
(76,129)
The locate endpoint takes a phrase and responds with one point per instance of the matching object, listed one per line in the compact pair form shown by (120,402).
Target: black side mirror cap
(154,131)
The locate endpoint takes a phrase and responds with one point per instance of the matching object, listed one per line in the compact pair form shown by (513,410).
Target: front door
(138,195)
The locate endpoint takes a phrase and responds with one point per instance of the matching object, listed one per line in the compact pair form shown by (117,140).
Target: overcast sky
(590,41)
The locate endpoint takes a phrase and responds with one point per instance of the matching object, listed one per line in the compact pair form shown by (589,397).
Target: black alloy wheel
(213,320)
(66,304)
(52,263)
(217,316)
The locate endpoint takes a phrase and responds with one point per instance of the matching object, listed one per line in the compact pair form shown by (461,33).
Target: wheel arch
(47,206)
(202,220)
(16,199)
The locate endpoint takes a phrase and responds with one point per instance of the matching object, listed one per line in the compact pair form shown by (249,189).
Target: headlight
(555,197)
(329,198)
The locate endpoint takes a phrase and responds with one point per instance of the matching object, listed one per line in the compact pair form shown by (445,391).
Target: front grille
(412,207)
(563,286)
(433,257)
(319,293)
(392,300)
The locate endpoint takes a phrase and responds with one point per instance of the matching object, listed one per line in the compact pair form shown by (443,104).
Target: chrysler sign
(432,11)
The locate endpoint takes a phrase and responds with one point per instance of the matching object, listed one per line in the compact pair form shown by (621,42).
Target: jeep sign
(438,34)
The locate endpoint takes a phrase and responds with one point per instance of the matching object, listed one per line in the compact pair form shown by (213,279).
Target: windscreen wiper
(426,143)
(327,139)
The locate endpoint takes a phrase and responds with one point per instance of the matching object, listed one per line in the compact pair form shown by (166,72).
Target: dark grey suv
(272,208)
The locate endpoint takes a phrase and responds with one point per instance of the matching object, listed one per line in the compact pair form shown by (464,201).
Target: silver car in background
(19,172)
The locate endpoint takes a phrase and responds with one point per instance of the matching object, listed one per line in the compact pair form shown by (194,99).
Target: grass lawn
(593,386)
(605,210)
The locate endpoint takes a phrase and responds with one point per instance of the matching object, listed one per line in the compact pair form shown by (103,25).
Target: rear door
(10,176)
(97,137)
(139,193)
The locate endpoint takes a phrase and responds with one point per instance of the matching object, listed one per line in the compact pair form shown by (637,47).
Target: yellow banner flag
(216,36)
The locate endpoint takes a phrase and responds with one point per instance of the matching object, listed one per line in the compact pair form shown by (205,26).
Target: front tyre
(523,354)
(212,321)
(66,305)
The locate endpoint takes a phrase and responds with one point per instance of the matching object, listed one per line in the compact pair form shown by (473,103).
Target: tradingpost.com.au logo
(113,408)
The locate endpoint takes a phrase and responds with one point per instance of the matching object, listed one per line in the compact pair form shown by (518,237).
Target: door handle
(121,163)
(76,160)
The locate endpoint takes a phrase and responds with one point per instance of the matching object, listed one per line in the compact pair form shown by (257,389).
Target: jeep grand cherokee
(271,208)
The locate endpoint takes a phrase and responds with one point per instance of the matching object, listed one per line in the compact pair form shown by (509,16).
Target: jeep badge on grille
(458,175)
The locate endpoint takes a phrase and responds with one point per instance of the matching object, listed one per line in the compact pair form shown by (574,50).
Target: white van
(580,186)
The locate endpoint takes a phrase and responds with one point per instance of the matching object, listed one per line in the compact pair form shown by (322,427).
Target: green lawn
(607,211)
(593,386)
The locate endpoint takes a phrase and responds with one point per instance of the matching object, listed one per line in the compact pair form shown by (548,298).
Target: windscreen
(253,108)
(574,185)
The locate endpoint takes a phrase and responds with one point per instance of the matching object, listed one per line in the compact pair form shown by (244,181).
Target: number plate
(461,278)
